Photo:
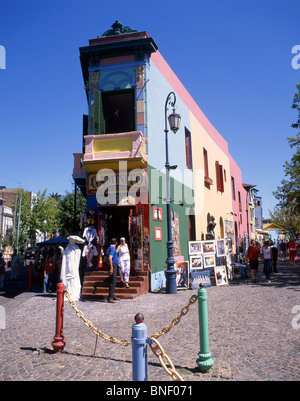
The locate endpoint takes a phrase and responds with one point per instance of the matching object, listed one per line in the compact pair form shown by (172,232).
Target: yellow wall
(217,204)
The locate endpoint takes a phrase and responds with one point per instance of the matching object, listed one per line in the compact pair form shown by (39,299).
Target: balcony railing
(101,149)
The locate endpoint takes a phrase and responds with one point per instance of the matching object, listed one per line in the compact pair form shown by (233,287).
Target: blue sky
(234,57)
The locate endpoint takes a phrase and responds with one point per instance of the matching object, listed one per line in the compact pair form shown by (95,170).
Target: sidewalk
(250,327)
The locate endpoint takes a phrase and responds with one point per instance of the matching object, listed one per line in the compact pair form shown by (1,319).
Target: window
(114,112)
(240,202)
(207,181)
(188,149)
(219,175)
(233,188)
(205,158)
(118,107)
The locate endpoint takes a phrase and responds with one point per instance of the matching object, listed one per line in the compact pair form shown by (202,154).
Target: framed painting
(221,275)
(208,247)
(183,273)
(220,245)
(209,261)
(196,262)
(195,247)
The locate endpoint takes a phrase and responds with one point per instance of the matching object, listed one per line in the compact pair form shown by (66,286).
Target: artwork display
(200,277)
(196,262)
(195,247)
(221,275)
(183,272)
(220,245)
(208,247)
(209,261)
(204,257)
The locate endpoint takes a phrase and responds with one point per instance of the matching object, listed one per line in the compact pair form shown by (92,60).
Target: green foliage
(69,226)
(287,211)
(45,214)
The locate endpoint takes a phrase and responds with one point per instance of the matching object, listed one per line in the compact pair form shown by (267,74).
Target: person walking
(266,254)
(2,271)
(293,251)
(274,254)
(124,262)
(49,272)
(282,247)
(252,255)
(113,262)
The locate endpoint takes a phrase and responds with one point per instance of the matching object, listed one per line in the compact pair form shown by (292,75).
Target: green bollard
(204,362)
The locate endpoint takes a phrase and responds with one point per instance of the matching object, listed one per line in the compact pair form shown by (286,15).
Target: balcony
(105,151)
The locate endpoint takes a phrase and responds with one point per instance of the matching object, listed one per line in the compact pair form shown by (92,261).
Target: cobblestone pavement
(254,334)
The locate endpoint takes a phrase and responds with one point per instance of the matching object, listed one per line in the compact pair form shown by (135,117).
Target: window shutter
(98,120)
(221,178)
(219,175)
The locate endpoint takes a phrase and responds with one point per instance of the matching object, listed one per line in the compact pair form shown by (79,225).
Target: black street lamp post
(174,123)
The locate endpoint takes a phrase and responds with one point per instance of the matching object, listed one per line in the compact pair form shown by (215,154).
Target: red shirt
(253,252)
(50,267)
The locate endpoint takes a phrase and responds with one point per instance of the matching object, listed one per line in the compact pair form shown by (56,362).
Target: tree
(44,214)
(66,213)
(288,194)
(286,218)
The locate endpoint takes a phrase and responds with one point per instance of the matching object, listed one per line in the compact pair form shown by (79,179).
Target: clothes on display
(90,233)
(70,267)
(89,251)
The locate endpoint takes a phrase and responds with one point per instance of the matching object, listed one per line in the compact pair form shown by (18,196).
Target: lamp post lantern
(174,123)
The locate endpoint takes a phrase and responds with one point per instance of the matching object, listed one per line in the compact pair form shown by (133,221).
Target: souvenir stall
(106,222)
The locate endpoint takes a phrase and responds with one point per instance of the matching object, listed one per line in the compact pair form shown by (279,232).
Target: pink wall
(235,171)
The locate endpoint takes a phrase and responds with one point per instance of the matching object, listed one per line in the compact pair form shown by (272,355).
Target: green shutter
(99,123)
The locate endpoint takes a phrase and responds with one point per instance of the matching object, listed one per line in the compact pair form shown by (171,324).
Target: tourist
(113,262)
(49,272)
(282,247)
(293,251)
(266,254)
(274,254)
(252,255)
(124,262)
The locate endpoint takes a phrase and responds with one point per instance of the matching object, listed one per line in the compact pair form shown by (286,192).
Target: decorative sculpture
(210,229)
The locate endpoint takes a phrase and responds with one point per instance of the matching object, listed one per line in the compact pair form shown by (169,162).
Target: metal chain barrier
(124,343)
(155,346)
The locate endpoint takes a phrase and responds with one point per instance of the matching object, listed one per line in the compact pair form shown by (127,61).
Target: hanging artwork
(209,261)
(182,276)
(195,247)
(208,247)
(220,244)
(196,262)
(221,275)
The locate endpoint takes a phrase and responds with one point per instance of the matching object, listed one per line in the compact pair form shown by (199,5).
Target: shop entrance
(128,222)
(117,221)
